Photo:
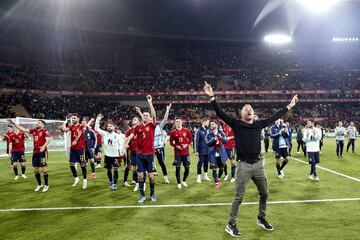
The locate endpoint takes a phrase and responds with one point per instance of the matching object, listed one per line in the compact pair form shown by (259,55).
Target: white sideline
(172,205)
(329,170)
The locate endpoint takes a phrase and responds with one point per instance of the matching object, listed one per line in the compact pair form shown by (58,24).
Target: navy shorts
(185,160)
(40,159)
(314,156)
(145,163)
(281,152)
(89,155)
(133,157)
(98,149)
(77,156)
(216,163)
(111,162)
(18,157)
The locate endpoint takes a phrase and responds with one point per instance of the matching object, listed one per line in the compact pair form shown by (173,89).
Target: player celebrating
(215,140)
(201,150)
(90,145)
(40,155)
(77,149)
(180,139)
(17,151)
(7,137)
(312,137)
(113,145)
(340,132)
(145,133)
(229,147)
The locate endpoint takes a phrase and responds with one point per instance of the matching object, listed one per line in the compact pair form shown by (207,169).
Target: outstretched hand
(168,107)
(208,89)
(99,117)
(294,101)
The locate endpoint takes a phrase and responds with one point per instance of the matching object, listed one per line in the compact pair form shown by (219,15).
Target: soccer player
(132,153)
(98,148)
(280,135)
(181,139)
(229,147)
(40,155)
(247,134)
(351,133)
(299,139)
(201,150)
(17,151)
(113,149)
(266,137)
(159,143)
(7,137)
(215,139)
(77,149)
(340,132)
(90,145)
(290,132)
(145,159)
(312,136)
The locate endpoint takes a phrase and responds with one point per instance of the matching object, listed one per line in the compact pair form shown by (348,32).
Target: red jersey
(134,142)
(230,144)
(80,144)
(145,138)
(40,136)
(8,136)
(179,138)
(18,142)
(98,138)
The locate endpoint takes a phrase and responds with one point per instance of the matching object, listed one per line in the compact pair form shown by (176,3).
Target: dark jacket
(200,145)
(275,135)
(211,142)
(90,138)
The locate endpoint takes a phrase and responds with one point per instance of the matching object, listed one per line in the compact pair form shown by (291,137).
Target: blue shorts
(185,160)
(314,156)
(40,159)
(111,162)
(98,149)
(133,157)
(18,157)
(89,155)
(281,152)
(216,163)
(77,156)
(145,163)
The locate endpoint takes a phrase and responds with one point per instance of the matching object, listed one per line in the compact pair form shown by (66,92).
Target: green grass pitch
(322,220)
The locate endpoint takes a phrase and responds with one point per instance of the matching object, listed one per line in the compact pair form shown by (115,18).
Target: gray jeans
(245,172)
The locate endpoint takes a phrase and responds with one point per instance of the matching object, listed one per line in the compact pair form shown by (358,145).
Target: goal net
(57,142)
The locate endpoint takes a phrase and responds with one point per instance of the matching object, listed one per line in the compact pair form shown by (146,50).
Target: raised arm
(138,111)
(226,118)
(280,113)
(97,125)
(90,122)
(166,117)
(152,109)
(18,126)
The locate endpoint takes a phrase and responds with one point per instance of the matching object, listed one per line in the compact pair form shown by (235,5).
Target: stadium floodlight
(318,6)
(277,38)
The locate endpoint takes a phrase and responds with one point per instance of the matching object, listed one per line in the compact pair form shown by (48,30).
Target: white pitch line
(329,170)
(172,205)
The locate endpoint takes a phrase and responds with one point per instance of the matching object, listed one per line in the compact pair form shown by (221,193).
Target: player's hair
(204,120)
(87,119)
(43,122)
(177,117)
(76,115)
(214,121)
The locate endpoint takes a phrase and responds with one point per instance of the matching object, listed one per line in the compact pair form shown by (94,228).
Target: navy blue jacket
(200,141)
(210,140)
(275,135)
(90,139)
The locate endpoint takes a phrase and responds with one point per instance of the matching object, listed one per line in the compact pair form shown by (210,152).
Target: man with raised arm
(247,132)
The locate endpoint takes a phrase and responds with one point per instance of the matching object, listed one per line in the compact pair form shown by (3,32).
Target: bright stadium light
(277,39)
(318,6)
(345,39)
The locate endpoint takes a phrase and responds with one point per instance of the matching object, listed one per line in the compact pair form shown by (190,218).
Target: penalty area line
(172,205)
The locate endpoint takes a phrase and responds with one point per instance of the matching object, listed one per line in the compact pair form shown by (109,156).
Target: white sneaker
(132,181)
(156,174)
(98,166)
(166,180)
(206,178)
(24,176)
(232,180)
(179,186)
(84,183)
(317,178)
(184,184)
(76,181)
(16,177)
(226,177)
(136,188)
(126,184)
(311,177)
(45,188)
(298,152)
(280,177)
(282,173)
(198,180)
(38,188)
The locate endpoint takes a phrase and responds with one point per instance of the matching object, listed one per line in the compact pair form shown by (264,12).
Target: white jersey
(113,142)
(312,137)
(351,131)
(340,133)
